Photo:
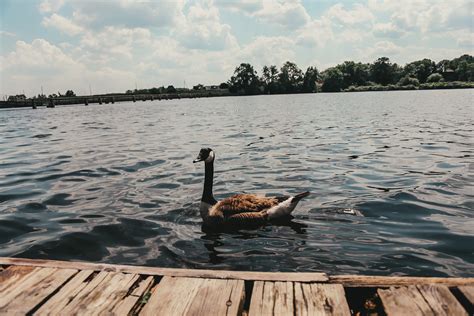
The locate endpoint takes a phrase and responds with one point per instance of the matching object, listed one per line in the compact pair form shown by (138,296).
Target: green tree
(290,78)
(407,80)
(333,80)
(309,81)
(70,93)
(244,80)
(170,89)
(465,71)
(383,71)
(421,69)
(442,66)
(435,77)
(354,73)
(269,79)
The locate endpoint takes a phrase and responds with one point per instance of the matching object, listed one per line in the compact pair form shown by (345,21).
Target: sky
(111,46)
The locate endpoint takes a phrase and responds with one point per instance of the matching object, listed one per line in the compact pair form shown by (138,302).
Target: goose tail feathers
(299,196)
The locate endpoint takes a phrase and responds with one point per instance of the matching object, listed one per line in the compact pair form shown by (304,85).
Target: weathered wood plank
(56,304)
(320,299)
(272,298)
(375,281)
(193,296)
(33,290)
(172,296)
(218,297)
(128,303)
(33,278)
(194,273)
(468,292)
(405,300)
(441,300)
(101,294)
(12,275)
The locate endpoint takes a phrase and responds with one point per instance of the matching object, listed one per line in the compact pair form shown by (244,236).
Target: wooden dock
(47,287)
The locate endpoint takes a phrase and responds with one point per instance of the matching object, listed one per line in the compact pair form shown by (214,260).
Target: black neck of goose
(207,195)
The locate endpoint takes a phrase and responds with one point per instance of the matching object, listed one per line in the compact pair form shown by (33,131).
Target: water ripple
(390,174)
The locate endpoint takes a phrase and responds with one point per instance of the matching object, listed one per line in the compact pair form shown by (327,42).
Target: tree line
(350,75)
(382,74)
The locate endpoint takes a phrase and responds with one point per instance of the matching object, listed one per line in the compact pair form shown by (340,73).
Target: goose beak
(198,159)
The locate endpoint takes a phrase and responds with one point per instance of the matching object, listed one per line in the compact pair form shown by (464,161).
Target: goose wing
(248,218)
(243,203)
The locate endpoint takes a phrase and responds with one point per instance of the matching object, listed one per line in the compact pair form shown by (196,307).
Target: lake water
(116,183)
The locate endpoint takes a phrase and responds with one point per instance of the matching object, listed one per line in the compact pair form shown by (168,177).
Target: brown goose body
(240,209)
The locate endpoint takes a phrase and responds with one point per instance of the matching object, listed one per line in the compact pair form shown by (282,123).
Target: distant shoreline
(120,97)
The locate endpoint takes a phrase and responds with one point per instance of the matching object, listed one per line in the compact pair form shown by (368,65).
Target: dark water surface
(116,183)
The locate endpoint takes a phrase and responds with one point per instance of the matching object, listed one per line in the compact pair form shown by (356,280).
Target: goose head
(205,154)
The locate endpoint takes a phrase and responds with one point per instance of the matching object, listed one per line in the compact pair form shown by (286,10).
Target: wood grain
(468,292)
(271,298)
(406,300)
(56,304)
(374,281)
(31,291)
(196,273)
(320,299)
(12,275)
(101,294)
(193,296)
(130,301)
(441,300)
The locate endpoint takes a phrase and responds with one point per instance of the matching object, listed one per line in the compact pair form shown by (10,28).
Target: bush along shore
(423,86)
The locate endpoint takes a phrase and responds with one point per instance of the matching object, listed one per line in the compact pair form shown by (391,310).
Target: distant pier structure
(19,102)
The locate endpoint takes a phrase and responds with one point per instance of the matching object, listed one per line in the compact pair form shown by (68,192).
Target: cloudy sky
(113,45)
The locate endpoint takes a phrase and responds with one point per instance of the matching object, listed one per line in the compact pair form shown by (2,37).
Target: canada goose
(240,209)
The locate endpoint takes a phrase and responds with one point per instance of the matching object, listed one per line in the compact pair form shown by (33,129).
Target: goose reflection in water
(214,239)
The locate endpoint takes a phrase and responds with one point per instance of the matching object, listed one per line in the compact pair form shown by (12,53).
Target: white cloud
(359,14)
(47,6)
(383,48)
(268,51)
(127,13)
(42,63)
(114,41)
(40,55)
(291,14)
(63,24)
(203,29)
(466,41)
(315,34)
(425,15)
(247,6)
(7,34)
(387,30)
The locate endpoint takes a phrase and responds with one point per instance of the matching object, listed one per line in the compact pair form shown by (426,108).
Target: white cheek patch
(204,209)
(210,158)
